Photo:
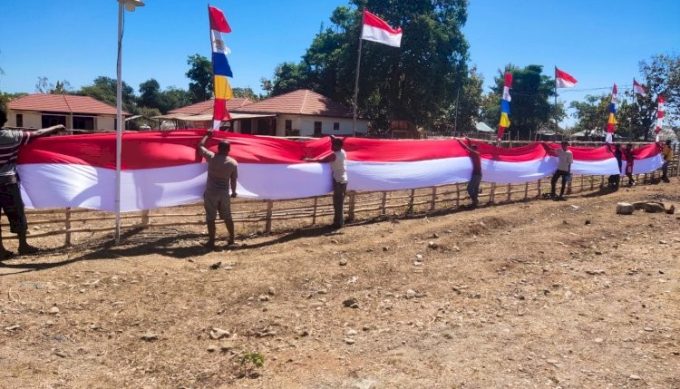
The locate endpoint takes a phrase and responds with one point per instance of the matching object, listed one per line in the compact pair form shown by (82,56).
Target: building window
(317,129)
(336,126)
(20,120)
(83,123)
(53,120)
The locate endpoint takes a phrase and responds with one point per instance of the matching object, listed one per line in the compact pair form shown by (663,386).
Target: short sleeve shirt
(565,158)
(339,167)
(10,144)
(222,170)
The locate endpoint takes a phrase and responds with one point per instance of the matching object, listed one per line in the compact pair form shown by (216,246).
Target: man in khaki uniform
(222,174)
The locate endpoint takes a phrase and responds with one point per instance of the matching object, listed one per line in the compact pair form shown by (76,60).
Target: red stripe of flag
(217,20)
(374,21)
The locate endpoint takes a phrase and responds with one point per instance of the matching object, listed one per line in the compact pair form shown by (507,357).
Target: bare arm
(234,177)
(47,131)
(201,145)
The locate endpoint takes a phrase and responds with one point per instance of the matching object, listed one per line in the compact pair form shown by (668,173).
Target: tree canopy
(417,82)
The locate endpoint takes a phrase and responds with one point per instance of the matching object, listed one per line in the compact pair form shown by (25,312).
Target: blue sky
(598,41)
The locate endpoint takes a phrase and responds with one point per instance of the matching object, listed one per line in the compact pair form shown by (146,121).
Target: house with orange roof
(298,113)
(80,113)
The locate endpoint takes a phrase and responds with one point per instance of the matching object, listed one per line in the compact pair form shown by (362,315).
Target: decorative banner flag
(564,79)
(660,113)
(221,68)
(639,89)
(611,121)
(377,30)
(505,106)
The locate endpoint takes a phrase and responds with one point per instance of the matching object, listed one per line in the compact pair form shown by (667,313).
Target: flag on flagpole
(660,113)
(564,79)
(377,30)
(611,121)
(639,89)
(505,106)
(221,69)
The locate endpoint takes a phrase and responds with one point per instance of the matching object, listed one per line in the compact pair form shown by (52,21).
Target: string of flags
(505,105)
(221,69)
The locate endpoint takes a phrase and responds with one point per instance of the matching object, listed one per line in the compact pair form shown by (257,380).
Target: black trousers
(13,206)
(553,181)
(339,190)
(664,171)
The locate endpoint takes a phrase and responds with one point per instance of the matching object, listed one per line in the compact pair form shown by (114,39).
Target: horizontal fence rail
(267,216)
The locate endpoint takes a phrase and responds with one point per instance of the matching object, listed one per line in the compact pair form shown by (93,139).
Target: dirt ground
(538,294)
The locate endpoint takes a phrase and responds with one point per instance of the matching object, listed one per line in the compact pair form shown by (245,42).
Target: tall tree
(246,93)
(530,108)
(661,76)
(150,95)
(104,89)
(591,113)
(417,82)
(201,76)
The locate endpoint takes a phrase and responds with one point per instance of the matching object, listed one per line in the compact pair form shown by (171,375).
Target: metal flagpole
(556,125)
(356,87)
(119,118)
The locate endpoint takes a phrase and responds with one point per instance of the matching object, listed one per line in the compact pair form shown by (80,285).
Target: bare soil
(537,294)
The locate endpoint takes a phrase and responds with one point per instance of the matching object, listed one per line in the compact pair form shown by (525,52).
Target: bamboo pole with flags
(377,30)
(221,69)
(562,80)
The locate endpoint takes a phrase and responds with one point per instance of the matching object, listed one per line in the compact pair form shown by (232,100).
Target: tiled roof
(207,106)
(299,102)
(62,103)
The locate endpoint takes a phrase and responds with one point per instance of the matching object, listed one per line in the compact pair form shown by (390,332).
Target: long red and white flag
(564,79)
(660,113)
(163,169)
(377,30)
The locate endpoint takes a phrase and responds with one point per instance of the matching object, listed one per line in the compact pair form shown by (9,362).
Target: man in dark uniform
(222,173)
(11,203)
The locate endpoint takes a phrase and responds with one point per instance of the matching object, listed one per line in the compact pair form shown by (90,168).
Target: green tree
(176,98)
(660,76)
(417,82)
(530,108)
(43,85)
(201,75)
(246,93)
(591,114)
(461,115)
(104,89)
(150,95)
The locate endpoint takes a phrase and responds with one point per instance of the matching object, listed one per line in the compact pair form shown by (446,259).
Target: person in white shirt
(565,159)
(339,169)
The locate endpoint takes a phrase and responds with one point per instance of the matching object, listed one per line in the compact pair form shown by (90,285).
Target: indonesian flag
(639,89)
(161,169)
(564,79)
(660,113)
(505,106)
(377,30)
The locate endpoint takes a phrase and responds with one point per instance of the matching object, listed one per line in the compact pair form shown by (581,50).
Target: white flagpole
(119,118)
(355,102)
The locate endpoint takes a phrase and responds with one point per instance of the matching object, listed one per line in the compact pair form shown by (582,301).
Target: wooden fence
(268,216)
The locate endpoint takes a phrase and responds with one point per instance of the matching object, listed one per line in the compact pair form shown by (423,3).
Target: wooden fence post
(538,188)
(457,195)
(67,225)
(434,198)
(509,193)
(601,182)
(145,217)
(526,191)
(316,201)
(268,222)
(352,201)
(492,194)
(410,202)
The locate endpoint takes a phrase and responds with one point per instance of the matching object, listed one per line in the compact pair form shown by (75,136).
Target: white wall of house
(305,124)
(32,119)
